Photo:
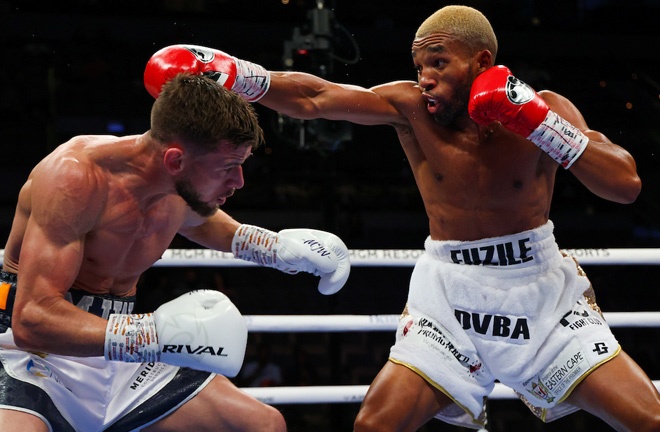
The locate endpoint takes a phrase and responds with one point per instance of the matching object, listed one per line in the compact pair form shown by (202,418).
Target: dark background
(75,67)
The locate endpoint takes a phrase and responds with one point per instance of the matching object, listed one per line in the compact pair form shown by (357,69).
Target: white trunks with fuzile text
(511,308)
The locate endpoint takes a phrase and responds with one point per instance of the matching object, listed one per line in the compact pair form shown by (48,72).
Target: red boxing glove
(497,95)
(249,80)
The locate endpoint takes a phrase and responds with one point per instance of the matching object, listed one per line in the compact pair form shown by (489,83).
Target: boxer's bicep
(64,207)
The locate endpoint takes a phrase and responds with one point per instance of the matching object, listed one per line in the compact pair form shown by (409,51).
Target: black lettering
(315,246)
(501,326)
(189,350)
(463,318)
(501,254)
(481,326)
(490,252)
(520,329)
(475,256)
(466,256)
(169,348)
(205,350)
(454,256)
(522,244)
(510,254)
(563,321)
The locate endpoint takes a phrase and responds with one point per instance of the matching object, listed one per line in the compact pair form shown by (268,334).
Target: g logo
(202,54)
(517,91)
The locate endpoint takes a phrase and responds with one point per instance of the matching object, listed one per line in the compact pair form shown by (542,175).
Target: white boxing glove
(201,330)
(294,250)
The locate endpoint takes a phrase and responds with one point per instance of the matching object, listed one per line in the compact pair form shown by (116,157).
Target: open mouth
(431,104)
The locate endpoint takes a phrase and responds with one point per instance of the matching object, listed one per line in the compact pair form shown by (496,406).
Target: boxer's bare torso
(125,236)
(476,182)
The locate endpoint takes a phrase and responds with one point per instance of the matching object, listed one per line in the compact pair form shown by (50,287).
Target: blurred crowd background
(75,67)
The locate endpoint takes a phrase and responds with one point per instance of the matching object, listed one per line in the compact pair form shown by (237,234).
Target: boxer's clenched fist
(249,80)
(201,330)
(294,250)
(497,95)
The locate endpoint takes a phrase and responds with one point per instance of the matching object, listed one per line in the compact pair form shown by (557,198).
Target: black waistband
(8,277)
(99,305)
(7,296)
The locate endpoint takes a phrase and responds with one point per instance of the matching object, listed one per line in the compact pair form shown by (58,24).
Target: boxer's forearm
(300,95)
(58,327)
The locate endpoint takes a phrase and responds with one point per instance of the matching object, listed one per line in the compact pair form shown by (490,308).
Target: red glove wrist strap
(252,80)
(559,139)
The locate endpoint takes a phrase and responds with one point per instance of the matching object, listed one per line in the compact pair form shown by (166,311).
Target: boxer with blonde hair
(492,298)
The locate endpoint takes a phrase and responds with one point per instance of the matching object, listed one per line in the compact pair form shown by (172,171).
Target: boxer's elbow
(28,325)
(630,190)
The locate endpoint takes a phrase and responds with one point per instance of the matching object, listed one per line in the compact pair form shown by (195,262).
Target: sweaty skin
(94,215)
(475,181)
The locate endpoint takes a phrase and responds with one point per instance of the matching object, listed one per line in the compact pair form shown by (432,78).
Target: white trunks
(88,394)
(510,308)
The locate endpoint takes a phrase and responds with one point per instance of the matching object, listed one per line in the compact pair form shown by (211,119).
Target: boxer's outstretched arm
(305,96)
(295,94)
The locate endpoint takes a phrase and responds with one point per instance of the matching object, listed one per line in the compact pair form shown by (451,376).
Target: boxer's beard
(457,105)
(186,191)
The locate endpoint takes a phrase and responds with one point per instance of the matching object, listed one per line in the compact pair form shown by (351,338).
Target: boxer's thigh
(399,399)
(19,421)
(620,393)
(220,405)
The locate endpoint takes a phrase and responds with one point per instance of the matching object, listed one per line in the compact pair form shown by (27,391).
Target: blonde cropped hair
(468,25)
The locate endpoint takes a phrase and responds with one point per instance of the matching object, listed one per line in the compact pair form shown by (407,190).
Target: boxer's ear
(173,160)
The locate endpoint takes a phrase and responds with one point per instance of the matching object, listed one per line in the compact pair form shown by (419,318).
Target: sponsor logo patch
(439,340)
(552,383)
(579,317)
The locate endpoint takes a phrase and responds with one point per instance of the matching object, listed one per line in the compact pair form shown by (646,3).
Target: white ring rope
(396,257)
(404,257)
(346,323)
(341,394)
(371,323)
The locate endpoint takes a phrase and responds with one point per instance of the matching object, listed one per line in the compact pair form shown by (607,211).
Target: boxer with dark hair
(91,218)
(492,298)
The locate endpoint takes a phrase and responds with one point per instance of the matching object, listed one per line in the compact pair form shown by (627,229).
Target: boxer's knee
(650,423)
(273,420)
(19,421)
(367,421)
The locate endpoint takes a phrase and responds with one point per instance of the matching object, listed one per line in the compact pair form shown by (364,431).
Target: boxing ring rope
(349,323)
(402,257)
